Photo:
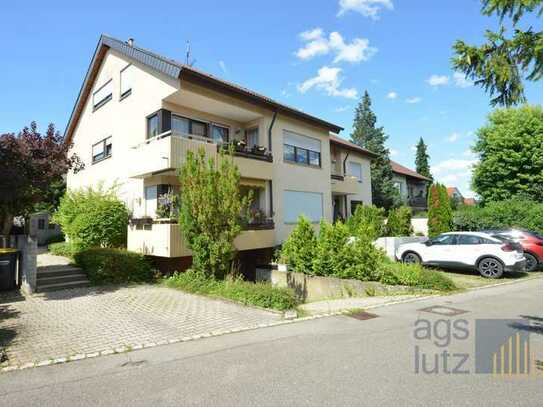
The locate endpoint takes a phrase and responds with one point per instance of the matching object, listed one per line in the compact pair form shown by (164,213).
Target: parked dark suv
(531,242)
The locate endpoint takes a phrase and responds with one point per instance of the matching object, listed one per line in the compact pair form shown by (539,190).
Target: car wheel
(531,262)
(489,267)
(411,258)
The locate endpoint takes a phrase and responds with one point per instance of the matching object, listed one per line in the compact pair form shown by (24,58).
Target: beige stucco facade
(138,163)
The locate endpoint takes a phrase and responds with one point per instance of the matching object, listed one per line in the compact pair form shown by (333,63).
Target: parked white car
(489,255)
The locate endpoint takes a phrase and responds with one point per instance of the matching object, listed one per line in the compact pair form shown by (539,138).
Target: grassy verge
(414,275)
(465,279)
(258,294)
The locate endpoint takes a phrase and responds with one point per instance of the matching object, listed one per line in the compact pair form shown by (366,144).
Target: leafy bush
(368,221)
(64,249)
(245,292)
(399,222)
(299,249)
(439,211)
(517,212)
(93,218)
(359,259)
(331,240)
(111,266)
(415,275)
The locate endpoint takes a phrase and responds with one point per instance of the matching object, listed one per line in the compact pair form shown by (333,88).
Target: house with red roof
(411,185)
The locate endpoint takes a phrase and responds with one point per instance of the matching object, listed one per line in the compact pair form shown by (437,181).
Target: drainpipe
(270,131)
(345,164)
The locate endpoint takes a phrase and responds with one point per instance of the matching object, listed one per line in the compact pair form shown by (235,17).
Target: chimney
(130,42)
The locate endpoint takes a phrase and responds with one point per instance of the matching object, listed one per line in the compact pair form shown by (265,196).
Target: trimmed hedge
(519,213)
(64,249)
(245,292)
(113,266)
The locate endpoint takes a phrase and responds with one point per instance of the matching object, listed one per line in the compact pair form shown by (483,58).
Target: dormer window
(103,95)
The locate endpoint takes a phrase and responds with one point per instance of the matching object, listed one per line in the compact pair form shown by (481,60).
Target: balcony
(418,202)
(168,151)
(164,239)
(345,184)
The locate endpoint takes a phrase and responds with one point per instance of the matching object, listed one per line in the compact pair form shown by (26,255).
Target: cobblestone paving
(88,320)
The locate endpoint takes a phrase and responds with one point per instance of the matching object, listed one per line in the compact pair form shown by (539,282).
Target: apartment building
(412,186)
(138,114)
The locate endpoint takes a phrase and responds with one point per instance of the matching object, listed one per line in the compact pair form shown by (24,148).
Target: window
(126,81)
(301,149)
(297,203)
(355,170)
(41,224)
(398,186)
(251,137)
(444,240)
(102,95)
(219,134)
(468,239)
(188,126)
(51,226)
(102,150)
(152,126)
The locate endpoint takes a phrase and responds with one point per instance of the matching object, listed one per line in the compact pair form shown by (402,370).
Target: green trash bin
(8,269)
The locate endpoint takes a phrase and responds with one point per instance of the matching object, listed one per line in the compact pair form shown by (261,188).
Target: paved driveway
(86,321)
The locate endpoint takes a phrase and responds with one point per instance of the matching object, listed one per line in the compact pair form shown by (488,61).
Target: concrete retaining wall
(315,288)
(28,260)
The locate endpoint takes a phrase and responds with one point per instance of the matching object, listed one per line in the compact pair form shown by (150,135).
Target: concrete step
(62,286)
(60,270)
(63,278)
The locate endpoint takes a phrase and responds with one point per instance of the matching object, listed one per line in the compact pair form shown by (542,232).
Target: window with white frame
(126,80)
(102,150)
(301,149)
(355,170)
(102,95)
(298,203)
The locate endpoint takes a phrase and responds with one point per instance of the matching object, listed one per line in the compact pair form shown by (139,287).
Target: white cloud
(393,152)
(392,95)
(446,168)
(413,100)
(413,148)
(468,153)
(223,66)
(317,44)
(438,80)
(368,8)
(453,137)
(461,81)
(356,51)
(329,81)
(342,109)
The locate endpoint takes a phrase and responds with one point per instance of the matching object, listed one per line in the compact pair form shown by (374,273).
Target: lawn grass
(245,292)
(416,276)
(465,279)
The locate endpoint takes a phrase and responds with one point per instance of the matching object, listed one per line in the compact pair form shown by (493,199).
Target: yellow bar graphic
(510,355)
(502,356)
(518,353)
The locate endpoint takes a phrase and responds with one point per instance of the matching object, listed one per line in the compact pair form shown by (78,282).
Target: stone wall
(28,259)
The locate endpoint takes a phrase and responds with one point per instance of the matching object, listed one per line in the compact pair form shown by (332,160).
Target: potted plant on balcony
(168,206)
(259,150)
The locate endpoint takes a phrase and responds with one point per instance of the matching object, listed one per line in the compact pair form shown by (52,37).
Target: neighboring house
(412,186)
(137,116)
(454,193)
(42,228)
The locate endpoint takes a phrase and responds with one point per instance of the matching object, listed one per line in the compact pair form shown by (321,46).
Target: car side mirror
(428,243)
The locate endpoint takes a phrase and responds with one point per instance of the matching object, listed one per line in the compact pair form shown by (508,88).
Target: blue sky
(318,56)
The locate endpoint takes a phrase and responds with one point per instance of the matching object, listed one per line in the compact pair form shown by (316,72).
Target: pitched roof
(400,169)
(181,71)
(452,190)
(351,146)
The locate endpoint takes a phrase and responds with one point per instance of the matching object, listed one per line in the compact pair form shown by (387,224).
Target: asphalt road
(328,362)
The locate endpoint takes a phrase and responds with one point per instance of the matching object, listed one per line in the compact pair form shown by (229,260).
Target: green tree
(298,250)
(502,63)
(440,214)
(367,135)
(399,222)
(93,218)
(422,159)
(210,210)
(510,149)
